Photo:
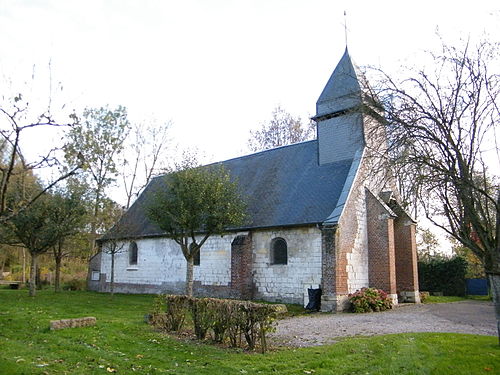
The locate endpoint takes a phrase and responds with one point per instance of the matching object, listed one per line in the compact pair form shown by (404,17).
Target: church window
(279,251)
(196,257)
(132,253)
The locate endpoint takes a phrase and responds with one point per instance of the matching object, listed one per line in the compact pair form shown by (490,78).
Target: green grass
(121,341)
(447,299)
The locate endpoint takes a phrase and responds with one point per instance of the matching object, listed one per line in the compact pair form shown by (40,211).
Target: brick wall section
(406,255)
(381,262)
(349,236)
(241,267)
(329,264)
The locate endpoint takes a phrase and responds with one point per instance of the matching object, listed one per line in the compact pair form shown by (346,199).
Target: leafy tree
(66,214)
(443,123)
(283,129)
(427,243)
(475,266)
(33,228)
(98,138)
(193,204)
(7,257)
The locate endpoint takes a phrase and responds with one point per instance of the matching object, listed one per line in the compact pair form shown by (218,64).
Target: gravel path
(474,317)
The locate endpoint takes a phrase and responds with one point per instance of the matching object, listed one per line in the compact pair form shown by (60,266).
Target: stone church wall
(287,283)
(161,267)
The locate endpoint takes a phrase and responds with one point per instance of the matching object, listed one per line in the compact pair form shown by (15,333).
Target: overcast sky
(217,68)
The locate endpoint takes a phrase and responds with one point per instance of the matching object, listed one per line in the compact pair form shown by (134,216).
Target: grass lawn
(122,342)
(447,299)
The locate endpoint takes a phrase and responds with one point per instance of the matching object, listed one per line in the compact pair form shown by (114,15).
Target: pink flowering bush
(370,299)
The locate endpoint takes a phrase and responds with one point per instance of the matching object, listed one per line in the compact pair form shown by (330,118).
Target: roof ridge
(247,156)
(265,151)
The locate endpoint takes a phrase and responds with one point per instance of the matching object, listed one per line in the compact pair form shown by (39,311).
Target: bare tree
(113,247)
(283,129)
(115,241)
(144,155)
(15,122)
(443,129)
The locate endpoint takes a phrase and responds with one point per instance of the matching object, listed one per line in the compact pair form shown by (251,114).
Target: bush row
(370,299)
(226,320)
(438,274)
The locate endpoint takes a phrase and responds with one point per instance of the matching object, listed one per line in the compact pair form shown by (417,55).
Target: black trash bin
(314,299)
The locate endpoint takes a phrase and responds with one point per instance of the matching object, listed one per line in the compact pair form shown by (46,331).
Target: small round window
(279,251)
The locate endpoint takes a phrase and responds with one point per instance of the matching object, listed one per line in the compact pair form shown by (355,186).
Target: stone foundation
(335,303)
(410,296)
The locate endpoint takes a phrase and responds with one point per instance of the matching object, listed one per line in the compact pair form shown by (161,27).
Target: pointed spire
(342,90)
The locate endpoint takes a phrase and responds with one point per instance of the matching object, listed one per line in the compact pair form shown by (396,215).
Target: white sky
(217,68)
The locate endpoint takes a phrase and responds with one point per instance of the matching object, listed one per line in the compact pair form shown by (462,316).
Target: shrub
(222,321)
(439,274)
(75,284)
(424,296)
(228,319)
(158,317)
(202,312)
(169,312)
(370,299)
(256,320)
(175,311)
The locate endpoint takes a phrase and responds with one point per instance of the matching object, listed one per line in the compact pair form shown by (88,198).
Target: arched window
(196,257)
(132,253)
(279,251)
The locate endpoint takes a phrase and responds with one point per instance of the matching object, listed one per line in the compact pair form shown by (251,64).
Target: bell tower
(338,116)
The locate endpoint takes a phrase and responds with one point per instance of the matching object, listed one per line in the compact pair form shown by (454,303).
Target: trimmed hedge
(226,320)
(438,274)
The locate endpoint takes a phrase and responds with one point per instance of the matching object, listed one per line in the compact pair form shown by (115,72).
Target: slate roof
(342,91)
(282,187)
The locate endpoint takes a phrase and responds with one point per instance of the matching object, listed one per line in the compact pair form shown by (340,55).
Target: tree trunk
(495,275)
(189,276)
(32,291)
(57,281)
(93,224)
(24,265)
(112,284)
(2,265)
(495,290)
(38,277)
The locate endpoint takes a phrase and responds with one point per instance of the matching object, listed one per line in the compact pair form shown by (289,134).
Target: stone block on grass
(72,323)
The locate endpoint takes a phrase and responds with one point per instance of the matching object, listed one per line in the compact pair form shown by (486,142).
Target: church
(322,214)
